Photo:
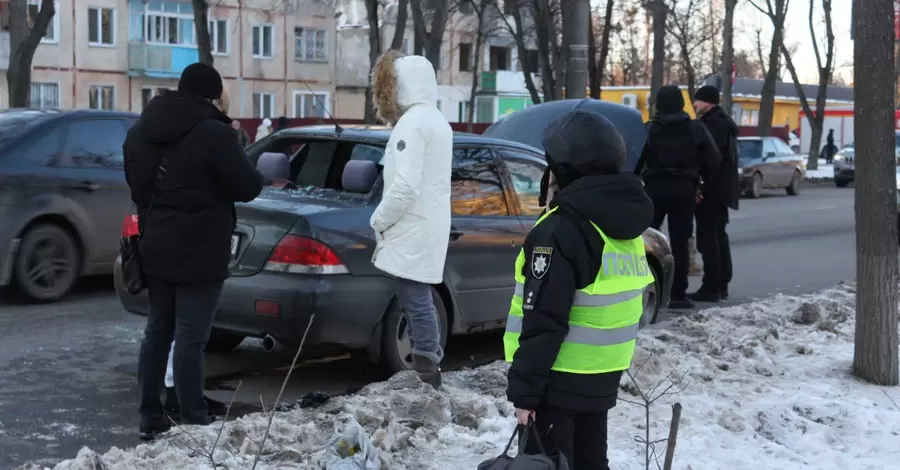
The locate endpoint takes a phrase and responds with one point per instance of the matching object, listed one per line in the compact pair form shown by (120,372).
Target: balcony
(505,81)
(4,50)
(159,60)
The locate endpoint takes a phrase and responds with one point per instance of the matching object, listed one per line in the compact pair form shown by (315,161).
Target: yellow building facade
(745,108)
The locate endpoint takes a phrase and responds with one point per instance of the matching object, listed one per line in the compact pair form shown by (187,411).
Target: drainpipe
(241,55)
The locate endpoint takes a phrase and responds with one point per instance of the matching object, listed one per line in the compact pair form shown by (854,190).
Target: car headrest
(359,176)
(274,166)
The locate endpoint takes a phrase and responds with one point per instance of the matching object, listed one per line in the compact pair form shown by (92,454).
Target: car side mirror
(359,176)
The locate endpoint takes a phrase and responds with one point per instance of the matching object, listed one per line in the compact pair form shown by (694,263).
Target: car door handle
(87,186)
(455,234)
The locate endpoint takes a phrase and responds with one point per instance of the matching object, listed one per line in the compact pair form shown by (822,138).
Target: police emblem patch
(401,145)
(540,261)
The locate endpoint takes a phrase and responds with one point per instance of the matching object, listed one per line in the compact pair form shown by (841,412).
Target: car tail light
(296,254)
(130,226)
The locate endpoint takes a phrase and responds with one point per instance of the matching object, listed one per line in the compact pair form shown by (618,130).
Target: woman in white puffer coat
(264,129)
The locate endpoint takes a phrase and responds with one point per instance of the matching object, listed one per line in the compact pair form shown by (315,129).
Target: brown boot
(428,371)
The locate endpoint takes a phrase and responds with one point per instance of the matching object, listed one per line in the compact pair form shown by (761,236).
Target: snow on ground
(768,387)
(824,171)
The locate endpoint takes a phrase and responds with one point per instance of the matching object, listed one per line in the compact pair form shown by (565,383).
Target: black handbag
(523,461)
(129,247)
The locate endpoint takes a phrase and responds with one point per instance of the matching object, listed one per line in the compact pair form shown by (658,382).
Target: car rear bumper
(844,174)
(348,309)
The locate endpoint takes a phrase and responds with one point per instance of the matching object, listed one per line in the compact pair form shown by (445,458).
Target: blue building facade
(161,38)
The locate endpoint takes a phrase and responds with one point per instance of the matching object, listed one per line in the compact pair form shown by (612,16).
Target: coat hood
(617,204)
(399,82)
(169,117)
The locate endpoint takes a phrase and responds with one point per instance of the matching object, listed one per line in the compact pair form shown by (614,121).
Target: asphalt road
(68,371)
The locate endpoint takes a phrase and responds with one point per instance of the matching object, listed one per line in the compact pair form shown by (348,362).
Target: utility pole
(577,25)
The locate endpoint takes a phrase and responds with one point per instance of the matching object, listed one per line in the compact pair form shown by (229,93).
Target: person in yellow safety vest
(580,279)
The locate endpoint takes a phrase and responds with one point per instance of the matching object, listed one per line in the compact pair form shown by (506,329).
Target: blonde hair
(224,101)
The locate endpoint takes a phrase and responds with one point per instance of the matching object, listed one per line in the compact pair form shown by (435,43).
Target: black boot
(428,371)
(682,303)
(152,427)
(705,294)
(215,407)
(723,293)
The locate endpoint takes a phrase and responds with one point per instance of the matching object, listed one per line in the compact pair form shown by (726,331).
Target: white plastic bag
(351,449)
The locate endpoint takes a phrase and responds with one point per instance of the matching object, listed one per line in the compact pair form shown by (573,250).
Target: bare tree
(690,33)
(825,68)
(875,356)
(629,54)
(400,26)
(598,64)
(25,34)
(533,21)
(728,55)
(660,12)
(373,15)
(201,28)
(776,10)
(746,65)
(429,39)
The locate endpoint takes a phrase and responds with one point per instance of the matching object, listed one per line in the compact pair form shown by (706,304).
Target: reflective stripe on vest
(605,316)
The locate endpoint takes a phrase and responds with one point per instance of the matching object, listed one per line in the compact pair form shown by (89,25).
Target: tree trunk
(527,66)
(767,100)
(400,27)
(476,69)
(201,27)
(728,56)
(430,40)
(543,36)
(23,41)
(875,357)
(604,45)
(578,13)
(593,70)
(659,9)
(374,53)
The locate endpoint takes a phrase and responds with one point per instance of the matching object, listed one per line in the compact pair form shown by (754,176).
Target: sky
(797,31)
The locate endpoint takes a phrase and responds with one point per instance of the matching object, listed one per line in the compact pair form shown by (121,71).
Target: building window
(264,105)
(218,36)
(463,110)
(484,110)
(263,41)
(750,117)
(45,95)
(101,26)
(169,29)
(102,97)
(309,45)
(499,58)
(465,57)
(52,34)
(310,105)
(148,93)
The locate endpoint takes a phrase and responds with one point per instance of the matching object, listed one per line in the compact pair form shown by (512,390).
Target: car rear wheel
(794,187)
(652,299)
(755,187)
(47,263)
(841,183)
(221,341)
(396,347)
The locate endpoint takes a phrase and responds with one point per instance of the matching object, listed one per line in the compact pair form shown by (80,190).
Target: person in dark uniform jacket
(185,169)
(578,302)
(723,191)
(678,156)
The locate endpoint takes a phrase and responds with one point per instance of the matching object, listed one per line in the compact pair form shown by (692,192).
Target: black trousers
(677,199)
(580,437)
(183,312)
(712,243)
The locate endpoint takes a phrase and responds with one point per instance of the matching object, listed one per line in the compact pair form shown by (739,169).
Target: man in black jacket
(566,385)
(678,155)
(723,190)
(186,170)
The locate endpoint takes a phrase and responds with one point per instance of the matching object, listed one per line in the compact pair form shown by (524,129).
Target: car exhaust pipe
(270,344)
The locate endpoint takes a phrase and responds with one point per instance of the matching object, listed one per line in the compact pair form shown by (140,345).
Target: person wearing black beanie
(678,156)
(722,193)
(185,170)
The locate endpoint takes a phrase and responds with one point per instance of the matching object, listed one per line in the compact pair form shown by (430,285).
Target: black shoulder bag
(129,249)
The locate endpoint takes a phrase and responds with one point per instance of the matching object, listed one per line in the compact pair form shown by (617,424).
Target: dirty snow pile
(764,385)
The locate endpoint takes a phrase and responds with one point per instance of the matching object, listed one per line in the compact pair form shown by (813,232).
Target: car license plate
(235,243)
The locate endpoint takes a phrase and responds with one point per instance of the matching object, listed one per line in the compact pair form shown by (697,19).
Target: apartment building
(500,89)
(276,59)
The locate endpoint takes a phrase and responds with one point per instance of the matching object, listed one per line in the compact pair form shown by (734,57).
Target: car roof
(53,113)
(753,137)
(381,134)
